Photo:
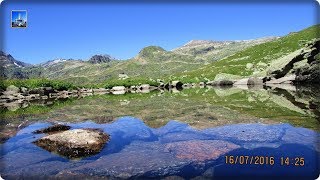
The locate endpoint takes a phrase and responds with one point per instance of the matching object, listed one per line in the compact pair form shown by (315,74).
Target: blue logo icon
(19,18)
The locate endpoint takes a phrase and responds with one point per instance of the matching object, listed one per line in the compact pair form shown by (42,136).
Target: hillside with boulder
(295,54)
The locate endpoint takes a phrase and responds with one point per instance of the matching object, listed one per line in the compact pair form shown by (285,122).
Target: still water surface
(185,134)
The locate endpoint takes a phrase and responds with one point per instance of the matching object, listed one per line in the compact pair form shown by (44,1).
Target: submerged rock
(200,150)
(139,160)
(53,129)
(74,143)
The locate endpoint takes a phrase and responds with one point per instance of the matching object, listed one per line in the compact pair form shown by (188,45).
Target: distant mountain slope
(52,62)
(151,62)
(254,60)
(215,50)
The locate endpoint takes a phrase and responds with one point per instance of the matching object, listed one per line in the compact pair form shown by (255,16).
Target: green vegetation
(150,51)
(80,73)
(259,54)
(34,110)
(266,106)
(35,83)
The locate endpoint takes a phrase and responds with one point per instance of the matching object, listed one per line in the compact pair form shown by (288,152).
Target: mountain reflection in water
(137,151)
(200,108)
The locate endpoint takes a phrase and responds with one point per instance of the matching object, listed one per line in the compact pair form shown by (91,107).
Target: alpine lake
(194,133)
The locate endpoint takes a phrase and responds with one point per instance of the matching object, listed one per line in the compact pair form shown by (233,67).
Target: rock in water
(74,143)
(200,150)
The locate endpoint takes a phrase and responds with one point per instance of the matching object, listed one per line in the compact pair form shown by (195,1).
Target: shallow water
(176,149)
(180,134)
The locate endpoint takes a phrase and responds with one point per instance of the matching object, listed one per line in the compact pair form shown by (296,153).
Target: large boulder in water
(74,143)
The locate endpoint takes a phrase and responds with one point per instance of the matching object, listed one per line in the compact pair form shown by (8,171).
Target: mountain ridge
(152,62)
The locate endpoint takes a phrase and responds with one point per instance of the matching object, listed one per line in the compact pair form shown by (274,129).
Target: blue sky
(65,30)
(19,14)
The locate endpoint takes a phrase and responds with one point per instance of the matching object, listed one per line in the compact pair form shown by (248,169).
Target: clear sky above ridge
(78,31)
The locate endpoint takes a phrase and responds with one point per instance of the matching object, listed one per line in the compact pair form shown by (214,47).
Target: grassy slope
(150,63)
(218,52)
(263,53)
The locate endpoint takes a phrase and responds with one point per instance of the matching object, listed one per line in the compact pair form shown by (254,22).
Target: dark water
(177,134)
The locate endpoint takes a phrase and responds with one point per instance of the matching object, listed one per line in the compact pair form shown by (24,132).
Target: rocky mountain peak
(6,60)
(97,59)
